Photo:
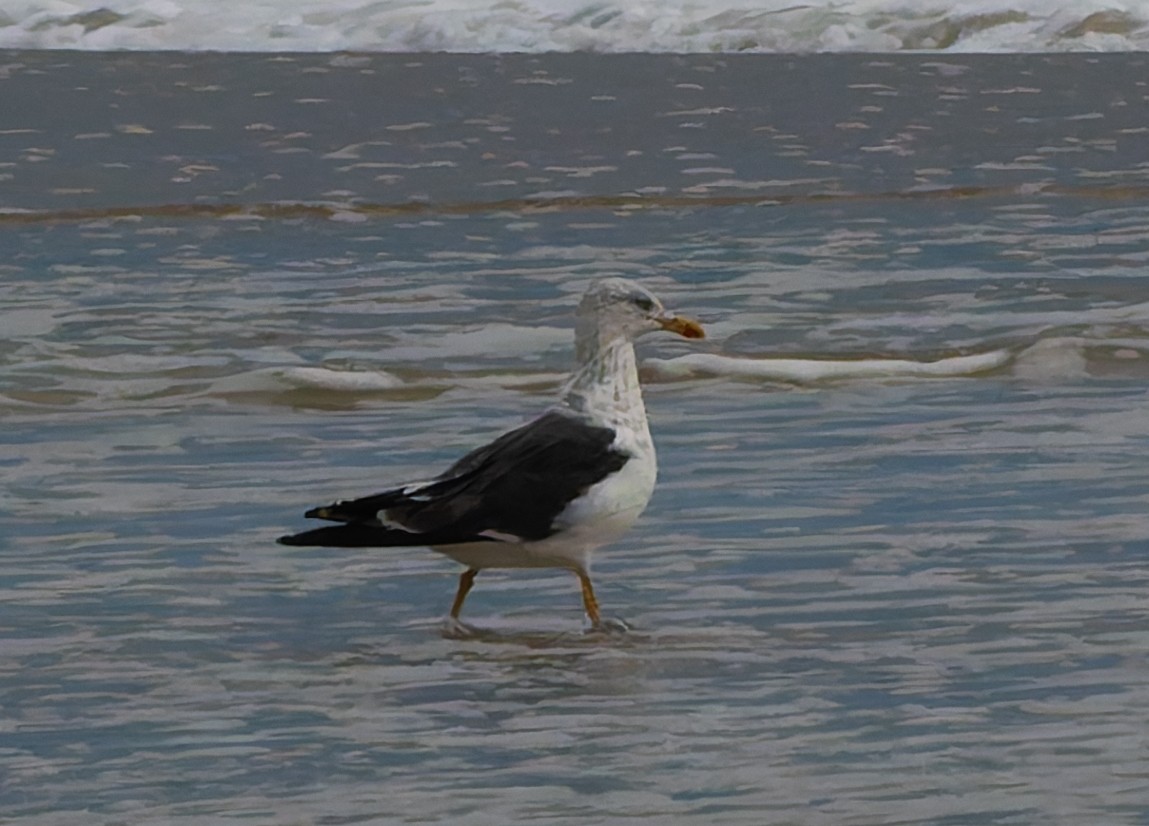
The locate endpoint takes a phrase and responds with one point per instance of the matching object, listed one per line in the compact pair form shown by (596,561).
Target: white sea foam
(585,25)
(320,378)
(800,370)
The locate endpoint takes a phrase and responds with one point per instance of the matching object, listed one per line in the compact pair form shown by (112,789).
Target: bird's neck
(604,384)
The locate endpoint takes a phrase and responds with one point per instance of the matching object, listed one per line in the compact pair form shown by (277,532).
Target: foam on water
(589,25)
(800,370)
(111,379)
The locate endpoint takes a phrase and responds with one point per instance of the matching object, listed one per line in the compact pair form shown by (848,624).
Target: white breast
(611,506)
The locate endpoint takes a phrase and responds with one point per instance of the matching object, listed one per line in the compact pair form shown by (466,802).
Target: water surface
(868,600)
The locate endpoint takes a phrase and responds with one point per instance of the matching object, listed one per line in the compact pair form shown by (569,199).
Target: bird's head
(616,307)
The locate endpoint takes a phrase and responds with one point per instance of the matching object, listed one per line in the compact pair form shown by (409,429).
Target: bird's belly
(610,507)
(546,553)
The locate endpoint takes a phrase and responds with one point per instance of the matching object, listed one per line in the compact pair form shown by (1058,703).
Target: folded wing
(511,490)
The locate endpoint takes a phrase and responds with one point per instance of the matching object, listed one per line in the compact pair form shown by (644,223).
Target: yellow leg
(466,580)
(590,604)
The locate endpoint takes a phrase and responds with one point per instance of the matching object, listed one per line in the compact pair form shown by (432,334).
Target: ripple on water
(872,599)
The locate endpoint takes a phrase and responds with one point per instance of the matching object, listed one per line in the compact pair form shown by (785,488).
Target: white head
(615,308)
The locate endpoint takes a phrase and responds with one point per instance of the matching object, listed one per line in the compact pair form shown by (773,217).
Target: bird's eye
(643,303)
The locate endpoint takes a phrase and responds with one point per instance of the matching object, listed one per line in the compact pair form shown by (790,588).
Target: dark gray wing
(514,487)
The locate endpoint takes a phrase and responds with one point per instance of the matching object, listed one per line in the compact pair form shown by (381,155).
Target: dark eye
(643,303)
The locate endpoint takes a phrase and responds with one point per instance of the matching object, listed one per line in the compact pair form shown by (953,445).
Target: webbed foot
(455,629)
(609,625)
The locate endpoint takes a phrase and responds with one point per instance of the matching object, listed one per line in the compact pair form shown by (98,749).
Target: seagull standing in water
(546,494)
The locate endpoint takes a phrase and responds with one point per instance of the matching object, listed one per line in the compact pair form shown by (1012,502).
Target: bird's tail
(359,535)
(344,536)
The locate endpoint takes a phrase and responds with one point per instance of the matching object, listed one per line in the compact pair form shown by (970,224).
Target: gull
(548,493)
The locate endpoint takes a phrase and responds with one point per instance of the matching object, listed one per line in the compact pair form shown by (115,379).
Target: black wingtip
(342,536)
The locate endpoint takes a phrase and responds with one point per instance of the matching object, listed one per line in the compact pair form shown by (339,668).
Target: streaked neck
(605,384)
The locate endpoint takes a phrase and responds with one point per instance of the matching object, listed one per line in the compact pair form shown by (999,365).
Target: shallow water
(871,599)
(704,26)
